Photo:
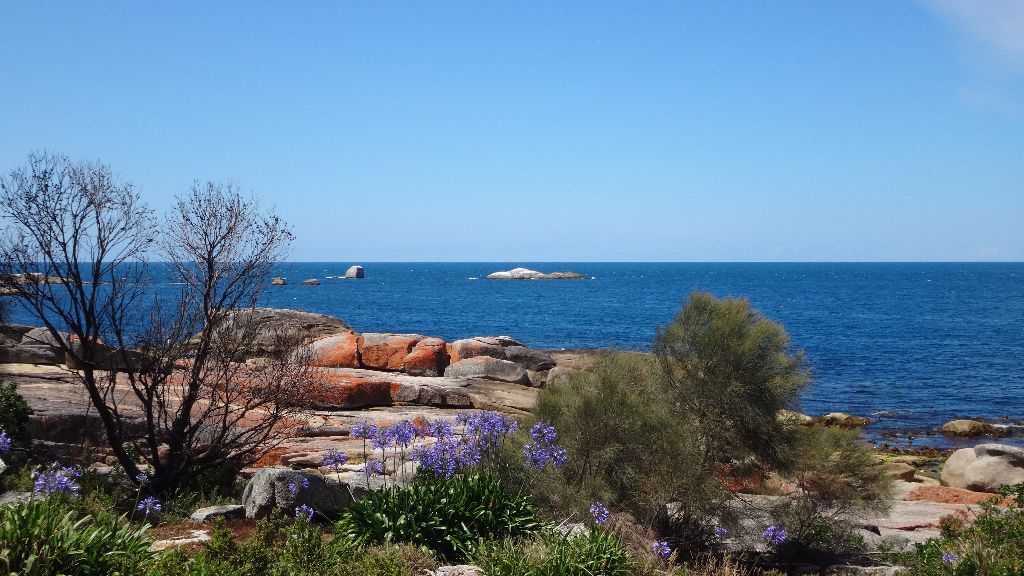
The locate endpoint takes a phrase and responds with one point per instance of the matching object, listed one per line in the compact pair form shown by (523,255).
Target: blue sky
(561,131)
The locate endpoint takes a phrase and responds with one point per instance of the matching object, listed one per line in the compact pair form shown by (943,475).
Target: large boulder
(335,351)
(502,348)
(984,468)
(966,428)
(493,346)
(28,345)
(429,357)
(355,272)
(386,351)
(488,368)
(529,358)
(284,489)
(282,327)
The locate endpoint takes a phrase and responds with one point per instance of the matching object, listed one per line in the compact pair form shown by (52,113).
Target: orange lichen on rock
(386,351)
(343,391)
(948,495)
(336,351)
(429,357)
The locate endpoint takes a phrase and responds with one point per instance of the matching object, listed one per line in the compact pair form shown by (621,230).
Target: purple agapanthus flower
(56,479)
(950,557)
(303,511)
(404,433)
(5,442)
(384,438)
(599,512)
(364,431)
(142,477)
(442,458)
(661,549)
(721,533)
(149,505)
(775,535)
(542,451)
(296,486)
(334,459)
(373,466)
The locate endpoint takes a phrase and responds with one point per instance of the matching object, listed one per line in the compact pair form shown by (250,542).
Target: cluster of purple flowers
(599,512)
(373,466)
(400,435)
(721,533)
(56,479)
(775,535)
(149,505)
(661,549)
(142,477)
(303,511)
(542,451)
(950,557)
(482,433)
(296,486)
(5,442)
(334,459)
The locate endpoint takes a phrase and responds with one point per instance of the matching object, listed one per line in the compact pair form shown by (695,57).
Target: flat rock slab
(225,511)
(193,537)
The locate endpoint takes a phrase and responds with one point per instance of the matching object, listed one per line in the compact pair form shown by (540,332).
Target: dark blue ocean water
(911,345)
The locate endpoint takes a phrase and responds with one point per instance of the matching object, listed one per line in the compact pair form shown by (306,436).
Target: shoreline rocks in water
(964,428)
(311,282)
(527,274)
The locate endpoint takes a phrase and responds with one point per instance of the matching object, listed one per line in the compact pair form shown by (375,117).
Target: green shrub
(991,545)
(14,413)
(554,554)
(448,517)
(840,479)
(43,537)
(279,546)
(730,370)
(626,446)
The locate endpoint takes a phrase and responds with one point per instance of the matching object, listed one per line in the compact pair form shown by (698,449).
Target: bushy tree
(729,371)
(627,446)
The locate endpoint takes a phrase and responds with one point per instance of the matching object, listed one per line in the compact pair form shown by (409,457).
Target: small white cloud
(997,26)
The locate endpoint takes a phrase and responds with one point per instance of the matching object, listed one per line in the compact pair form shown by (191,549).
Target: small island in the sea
(527,274)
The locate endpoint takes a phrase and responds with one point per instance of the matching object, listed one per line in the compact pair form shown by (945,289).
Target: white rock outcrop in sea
(311,282)
(279,281)
(355,272)
(985,468)
(527,274)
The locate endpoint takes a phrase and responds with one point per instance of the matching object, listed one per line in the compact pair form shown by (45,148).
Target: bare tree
(77,245)
(75,250)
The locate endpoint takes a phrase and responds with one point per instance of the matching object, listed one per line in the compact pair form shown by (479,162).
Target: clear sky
(559,131)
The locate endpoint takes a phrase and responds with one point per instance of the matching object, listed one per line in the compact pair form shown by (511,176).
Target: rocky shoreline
(385,378)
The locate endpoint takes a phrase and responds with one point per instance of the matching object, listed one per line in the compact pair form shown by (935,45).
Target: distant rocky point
(527,274)
(355,272)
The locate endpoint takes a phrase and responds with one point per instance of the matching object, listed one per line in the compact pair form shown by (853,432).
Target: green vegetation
(554,554)
(287,547)
(990,544)
(44,536)
(447,517)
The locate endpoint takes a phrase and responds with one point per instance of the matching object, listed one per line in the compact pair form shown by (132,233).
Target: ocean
(910,345)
